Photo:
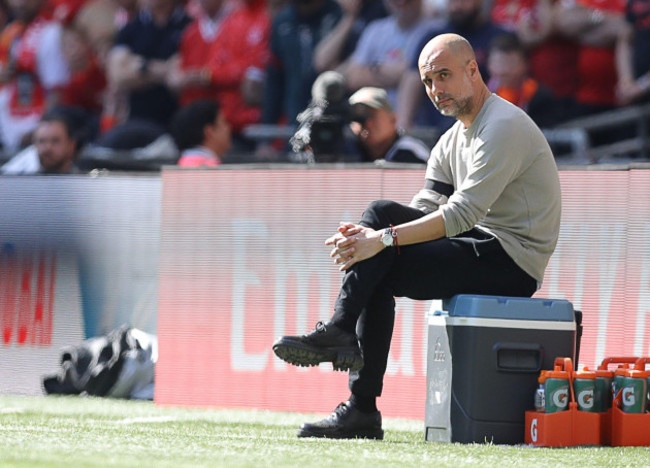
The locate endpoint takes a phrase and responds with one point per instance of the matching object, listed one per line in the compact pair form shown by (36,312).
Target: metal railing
(633,123)
(572,142)
(265,132)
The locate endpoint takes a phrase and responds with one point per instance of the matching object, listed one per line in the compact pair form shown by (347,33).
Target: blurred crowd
(121,74)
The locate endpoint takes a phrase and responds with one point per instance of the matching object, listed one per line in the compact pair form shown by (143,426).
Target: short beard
(459,107)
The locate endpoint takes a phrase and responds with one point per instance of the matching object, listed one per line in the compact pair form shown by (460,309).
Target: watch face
(387,238)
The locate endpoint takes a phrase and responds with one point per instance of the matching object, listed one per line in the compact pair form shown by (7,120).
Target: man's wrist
(389,238)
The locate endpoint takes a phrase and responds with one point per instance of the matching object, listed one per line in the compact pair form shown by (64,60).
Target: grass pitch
(77,432)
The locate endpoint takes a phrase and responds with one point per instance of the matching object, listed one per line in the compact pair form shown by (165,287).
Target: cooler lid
(504,307)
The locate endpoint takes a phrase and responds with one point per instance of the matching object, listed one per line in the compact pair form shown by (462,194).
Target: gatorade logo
(533,430)
(628,396)
(586,399)
(561,397)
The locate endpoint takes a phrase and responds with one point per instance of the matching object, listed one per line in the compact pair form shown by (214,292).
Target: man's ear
(206,133)
(473,70)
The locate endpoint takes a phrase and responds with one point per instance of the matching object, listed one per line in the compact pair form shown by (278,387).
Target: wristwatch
(388,237)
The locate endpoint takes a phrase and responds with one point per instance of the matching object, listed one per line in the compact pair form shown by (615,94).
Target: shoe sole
(299,354)
(377,434)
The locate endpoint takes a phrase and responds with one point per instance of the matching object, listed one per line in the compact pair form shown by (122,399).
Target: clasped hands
(353,243)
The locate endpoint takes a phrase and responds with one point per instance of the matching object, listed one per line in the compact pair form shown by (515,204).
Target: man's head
(451,77)
(306,8)
(165,6)
(202,123)
(55,144)
(507,62)
(128,5)
(406,12)
(274,6)
(25,10)
(211,7)
(465,14)
(373,121)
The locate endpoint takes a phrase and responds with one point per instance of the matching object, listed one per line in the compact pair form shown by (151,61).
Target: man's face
(54,146)
(378,128)
(129,5)
(447,82)
(218,135)
(507,68)
(211,7)
(25,10)
(400,7)
(157,4)
(463,14)
(274,6)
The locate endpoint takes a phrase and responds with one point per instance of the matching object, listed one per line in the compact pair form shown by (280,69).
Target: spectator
(55,149)
(96,21)
(632,57)
(381,56)
(552,58)
(509,78)
(141,59)
(333,51)
(594,25)
(201,133)
(87,79)
(237,65)
(435,8)
(465,17)
(275,6)
(5,14)
(295,32)
(189,74)
(375,125)
(32,72)
(530,20)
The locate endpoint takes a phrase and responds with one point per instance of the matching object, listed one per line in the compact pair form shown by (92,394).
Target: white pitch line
(151,419)
(11,410)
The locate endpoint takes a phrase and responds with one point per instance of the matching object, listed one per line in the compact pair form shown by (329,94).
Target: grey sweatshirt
(505,183)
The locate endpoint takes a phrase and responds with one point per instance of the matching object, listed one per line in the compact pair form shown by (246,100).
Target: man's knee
(382,208)
(377,214)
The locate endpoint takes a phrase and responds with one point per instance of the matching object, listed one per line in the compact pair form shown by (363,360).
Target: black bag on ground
(94,366)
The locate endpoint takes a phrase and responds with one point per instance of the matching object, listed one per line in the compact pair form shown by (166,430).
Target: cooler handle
(641,363)
(617,360)
(518,357)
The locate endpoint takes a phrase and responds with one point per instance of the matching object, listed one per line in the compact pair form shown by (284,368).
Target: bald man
(486,222)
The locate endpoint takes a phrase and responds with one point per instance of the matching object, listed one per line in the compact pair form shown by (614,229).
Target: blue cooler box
(483,360)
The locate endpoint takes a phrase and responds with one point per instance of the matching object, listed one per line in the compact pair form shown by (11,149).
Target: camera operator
(362,128)
(322,125)
(378,138)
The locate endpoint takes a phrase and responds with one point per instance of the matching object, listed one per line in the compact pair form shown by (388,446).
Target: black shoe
(345,422)
(326,343)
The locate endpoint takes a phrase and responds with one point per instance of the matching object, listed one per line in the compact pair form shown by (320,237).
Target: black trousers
(471,263)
